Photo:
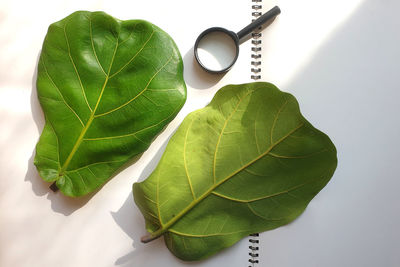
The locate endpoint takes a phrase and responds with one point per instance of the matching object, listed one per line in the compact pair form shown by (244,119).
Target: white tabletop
(339,58)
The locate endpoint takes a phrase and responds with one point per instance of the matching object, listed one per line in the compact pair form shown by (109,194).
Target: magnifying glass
(217,49)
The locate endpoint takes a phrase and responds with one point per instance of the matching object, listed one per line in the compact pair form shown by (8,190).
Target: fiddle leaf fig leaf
(248,162)
(107,88)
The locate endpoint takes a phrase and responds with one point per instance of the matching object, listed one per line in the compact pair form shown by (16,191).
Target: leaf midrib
(164,227)
(92,114)
(83,132)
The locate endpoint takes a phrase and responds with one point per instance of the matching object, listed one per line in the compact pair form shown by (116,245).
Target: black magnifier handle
(272,13)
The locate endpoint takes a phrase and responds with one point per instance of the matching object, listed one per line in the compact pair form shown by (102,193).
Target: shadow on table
(131,221)
(59,202)
(349,68)
(195,76)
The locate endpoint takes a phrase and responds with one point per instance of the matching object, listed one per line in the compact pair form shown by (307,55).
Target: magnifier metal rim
(231,34)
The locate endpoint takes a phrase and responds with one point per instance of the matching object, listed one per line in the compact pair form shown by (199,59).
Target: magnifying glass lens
(217,51)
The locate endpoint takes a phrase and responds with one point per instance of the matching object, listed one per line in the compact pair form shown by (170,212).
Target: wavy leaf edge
(51,167)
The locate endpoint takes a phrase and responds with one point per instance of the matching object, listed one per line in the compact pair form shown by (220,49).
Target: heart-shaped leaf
(248,162)
(107,88)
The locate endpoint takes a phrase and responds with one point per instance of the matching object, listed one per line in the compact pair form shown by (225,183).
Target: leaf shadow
(128,217)
(59,203)
(131,221)
(327,78)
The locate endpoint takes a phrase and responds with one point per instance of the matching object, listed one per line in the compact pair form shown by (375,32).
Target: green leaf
(107,88)
(248,162)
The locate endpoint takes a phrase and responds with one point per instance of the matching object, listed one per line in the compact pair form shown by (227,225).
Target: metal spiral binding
(255,75)
(256,70)
(256,42)
(254,241)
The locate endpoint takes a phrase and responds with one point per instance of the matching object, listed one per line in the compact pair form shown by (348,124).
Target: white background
(341,59)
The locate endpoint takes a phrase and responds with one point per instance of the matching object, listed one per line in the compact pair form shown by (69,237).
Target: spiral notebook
(340,60)
(105,230)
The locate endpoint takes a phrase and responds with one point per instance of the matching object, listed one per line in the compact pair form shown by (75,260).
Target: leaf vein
(76,70)
(59,92)
(46,158)
(51,99)
(83,181)
(297,157)
(158,198)
(161,89)
(276,119)
(58,147)
(254,173)
(287,191)
(137,53)
(89,122)
(94,50)
(134,133)
(92,173)
(255,130)
(205,235)
(130,35)
(185,161)
(222,132)
(96,163)
(141,92)
(260,216)
(211,190)
(149,199)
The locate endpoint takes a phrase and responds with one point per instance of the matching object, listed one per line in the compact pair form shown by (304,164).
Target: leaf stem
(54,187)
(148,238)
(89,122)
(166,226)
